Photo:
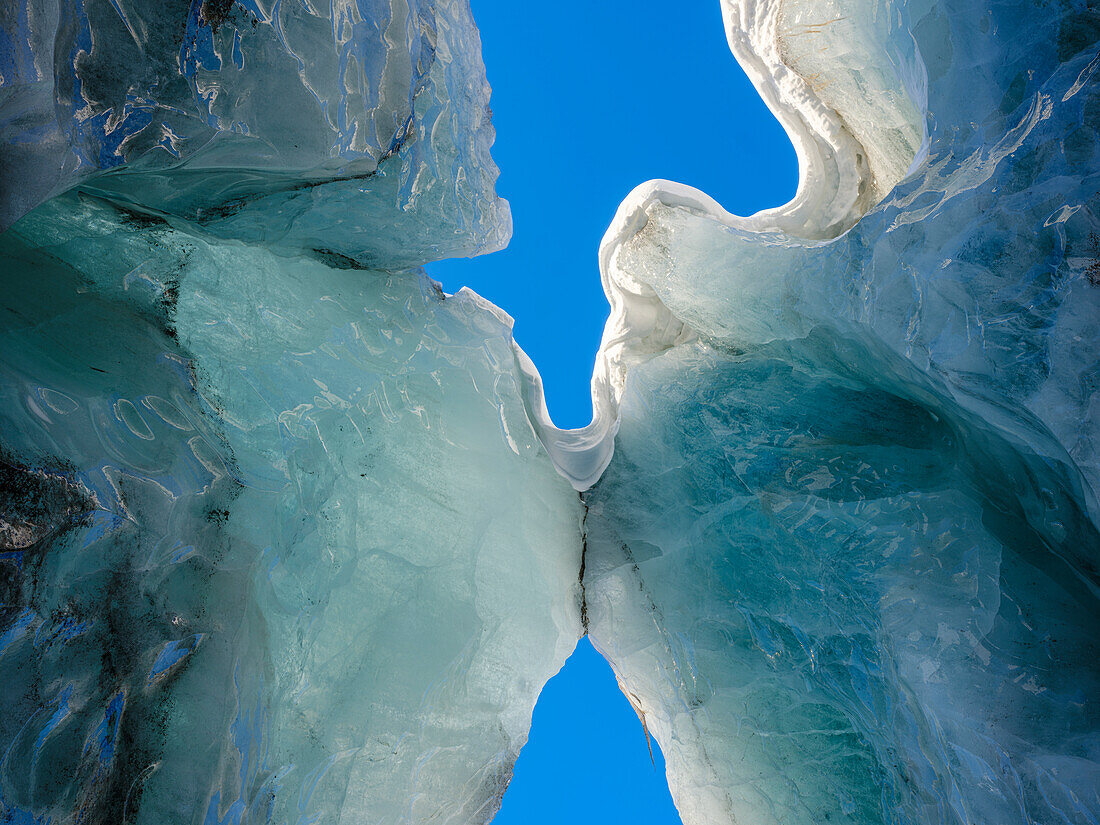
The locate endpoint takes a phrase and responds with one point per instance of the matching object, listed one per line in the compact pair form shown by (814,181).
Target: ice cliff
(844,558)
(279,541)
(287,535)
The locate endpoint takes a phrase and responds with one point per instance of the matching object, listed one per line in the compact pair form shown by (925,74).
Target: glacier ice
(249,570)
(287,533)
(838,598)
(844,557)
(286,123)
(266,585)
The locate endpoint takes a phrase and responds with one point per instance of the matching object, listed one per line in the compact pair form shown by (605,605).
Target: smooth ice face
(290,124)
(287,547)
(836,598)
(860,67)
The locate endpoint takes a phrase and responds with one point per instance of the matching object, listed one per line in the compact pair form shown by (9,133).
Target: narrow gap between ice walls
(849,157)
(604,119)
(251,443)
(588,759)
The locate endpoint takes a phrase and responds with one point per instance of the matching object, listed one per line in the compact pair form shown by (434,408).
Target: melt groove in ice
(287,534)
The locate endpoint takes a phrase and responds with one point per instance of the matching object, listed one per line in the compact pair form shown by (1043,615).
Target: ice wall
(292,124)
(278,541)
(838,599)
(303,557)
(844,557)
(945,269)
(287,534)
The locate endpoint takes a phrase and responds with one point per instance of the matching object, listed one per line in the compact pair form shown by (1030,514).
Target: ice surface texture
(844,558)
(836,598)
(304,559)
(288,123)
(287,534)
(278,542)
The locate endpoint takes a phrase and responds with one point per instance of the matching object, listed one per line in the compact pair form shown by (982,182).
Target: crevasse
(843,171)
(287,534)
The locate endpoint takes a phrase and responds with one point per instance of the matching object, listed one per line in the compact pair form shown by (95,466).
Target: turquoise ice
(287,534)
(272,571)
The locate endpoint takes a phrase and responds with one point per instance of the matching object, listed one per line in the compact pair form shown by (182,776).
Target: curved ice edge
(830,199)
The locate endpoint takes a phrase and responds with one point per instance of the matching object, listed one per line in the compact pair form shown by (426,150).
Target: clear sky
(586,762)
(591,98)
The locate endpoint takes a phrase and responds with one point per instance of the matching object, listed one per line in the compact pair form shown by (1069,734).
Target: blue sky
(591,98)
(586,762)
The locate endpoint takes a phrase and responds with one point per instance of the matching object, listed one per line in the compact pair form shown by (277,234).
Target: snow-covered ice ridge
(287,535)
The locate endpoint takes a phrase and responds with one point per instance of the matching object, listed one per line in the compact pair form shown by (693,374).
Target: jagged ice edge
(832,195)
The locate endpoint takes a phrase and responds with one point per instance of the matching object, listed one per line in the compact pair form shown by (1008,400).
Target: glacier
(299,631)
(287,533)
(844,555)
